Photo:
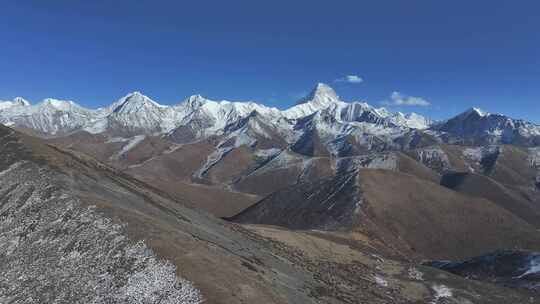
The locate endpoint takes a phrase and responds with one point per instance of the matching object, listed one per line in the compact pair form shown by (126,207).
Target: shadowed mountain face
(417,217)
(516,269)
(524,203)
(328,204)
(475,127)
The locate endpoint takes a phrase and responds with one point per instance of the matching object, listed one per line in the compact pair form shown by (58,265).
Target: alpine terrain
(205,201)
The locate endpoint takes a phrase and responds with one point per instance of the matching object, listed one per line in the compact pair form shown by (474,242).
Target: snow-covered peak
(475,126)
(195,101)
(324,98)
(16,102)
(320,98)
(409,120)
(383,112)
(51,116)
(474,111)
(225,109)
(19,101)
(134,102)
(57,104)
(322,95)
(479,112)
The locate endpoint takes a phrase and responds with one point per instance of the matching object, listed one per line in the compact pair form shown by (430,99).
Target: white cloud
(398,99)
(350,79)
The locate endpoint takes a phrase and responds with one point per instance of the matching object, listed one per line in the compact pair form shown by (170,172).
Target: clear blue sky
(454,54)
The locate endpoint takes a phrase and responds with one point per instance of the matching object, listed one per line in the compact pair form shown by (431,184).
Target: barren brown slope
(408,165)
(513,167)
(357,272)
(165,165)
(418,217)
(225,264)
(213,199)
(96,145)
(439,223)
(331,203)
(110,149)
(519,201)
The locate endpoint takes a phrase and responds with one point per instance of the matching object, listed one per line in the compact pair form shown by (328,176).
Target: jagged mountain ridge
(475,127)
(137,114)
(141,113)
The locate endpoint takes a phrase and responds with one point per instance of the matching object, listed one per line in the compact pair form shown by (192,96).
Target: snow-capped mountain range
(321,118)
(477,127)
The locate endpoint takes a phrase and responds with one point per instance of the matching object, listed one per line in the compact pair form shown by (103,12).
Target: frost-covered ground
(55,250)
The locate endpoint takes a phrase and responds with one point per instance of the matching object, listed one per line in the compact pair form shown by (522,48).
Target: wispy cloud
(350,79)
(398,99)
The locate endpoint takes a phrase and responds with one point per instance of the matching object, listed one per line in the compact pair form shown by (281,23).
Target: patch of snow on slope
(478,153)
(267,153)
(415,274)
(132,143)
(534,157)
(534,160)
(435,158)
(116,140)
(381,281)
(388,161)
(212,160)
(533,267)
(441,292)
(285,159)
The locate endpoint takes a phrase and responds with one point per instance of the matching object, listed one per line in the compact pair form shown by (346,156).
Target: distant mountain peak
(136,95)
(58,104)
(475,111)
(321,95)
(195,101)
(21,101)
(15,103)
(134,101)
